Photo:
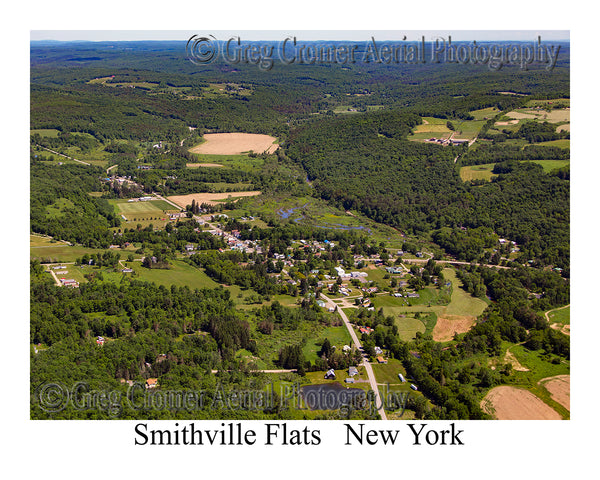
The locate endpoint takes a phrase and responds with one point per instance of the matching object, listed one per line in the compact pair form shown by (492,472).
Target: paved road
(365,362)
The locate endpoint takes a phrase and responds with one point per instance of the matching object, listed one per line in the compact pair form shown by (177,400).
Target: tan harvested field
(511,403)
(559,388)
(510,122)
(235,144)
(208,165)
(448,325)
(521,115)
(209,198)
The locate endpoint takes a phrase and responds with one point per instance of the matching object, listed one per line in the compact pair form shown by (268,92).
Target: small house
(152,383)
(330,374)
(352,371)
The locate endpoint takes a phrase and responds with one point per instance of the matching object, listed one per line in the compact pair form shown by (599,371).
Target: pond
(331,396)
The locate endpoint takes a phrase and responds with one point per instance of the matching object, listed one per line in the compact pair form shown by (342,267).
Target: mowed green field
(150,207)
(477,172)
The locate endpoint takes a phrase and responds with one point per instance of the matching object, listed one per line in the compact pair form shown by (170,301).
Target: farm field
(209,198)
(151,207)
(235,144)
(511,403)
(559,388)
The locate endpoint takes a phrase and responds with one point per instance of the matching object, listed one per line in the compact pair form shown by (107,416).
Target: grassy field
(180,274)
(337,336)
(549,165)
(562,316)
(477,172)
(43,249)
(563,143)
(462,302)
(485,113)
(46,132)
(408,326)
(484,171)
(242,162)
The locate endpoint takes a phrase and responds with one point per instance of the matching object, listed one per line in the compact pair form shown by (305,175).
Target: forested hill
(367,163)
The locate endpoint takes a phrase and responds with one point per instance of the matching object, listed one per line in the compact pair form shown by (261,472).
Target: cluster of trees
(88,221)
(500,152)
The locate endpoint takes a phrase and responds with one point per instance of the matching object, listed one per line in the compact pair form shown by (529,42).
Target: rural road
(454,262)
(263,371)
(365,362)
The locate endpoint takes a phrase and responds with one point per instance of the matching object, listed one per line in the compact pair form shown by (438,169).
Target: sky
(306,35)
